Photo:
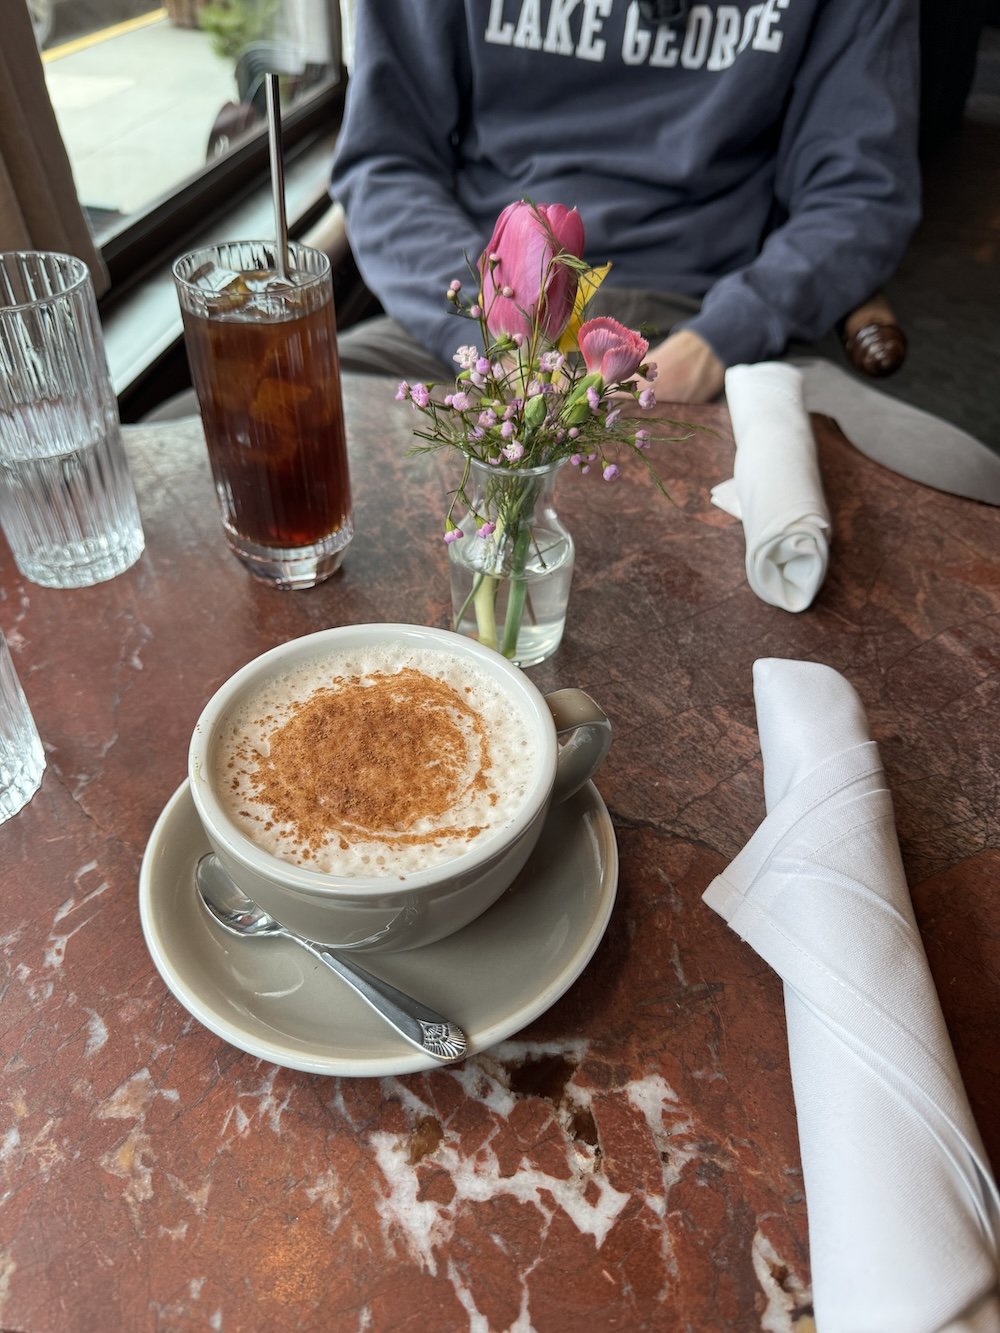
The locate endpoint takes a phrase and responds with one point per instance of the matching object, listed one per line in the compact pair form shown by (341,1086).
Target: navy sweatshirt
(761,159)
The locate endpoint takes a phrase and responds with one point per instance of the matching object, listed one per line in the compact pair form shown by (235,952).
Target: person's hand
(687,370)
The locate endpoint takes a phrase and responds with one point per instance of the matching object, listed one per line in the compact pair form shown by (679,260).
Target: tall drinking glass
(67,505)
(263,356)
(22,760)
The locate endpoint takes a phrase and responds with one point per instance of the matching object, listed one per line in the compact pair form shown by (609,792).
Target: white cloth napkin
(776,489)
(904,1214)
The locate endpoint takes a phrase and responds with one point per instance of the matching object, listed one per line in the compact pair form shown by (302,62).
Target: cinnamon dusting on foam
(367,764)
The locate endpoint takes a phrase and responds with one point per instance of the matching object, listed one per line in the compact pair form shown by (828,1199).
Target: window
(162,109)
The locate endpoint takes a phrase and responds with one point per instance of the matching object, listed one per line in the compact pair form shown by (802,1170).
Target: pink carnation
(610,348)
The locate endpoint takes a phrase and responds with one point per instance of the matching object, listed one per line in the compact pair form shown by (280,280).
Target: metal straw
(277,173)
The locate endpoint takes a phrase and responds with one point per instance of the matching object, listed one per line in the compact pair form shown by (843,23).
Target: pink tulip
(525,285)
(611,349)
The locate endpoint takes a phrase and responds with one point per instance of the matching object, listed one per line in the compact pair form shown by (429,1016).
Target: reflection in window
(147,98)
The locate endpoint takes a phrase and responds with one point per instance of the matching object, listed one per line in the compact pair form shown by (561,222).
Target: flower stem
(460,613)
(484,597)
(518,589)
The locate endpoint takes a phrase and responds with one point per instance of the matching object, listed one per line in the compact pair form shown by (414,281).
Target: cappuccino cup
(378,787)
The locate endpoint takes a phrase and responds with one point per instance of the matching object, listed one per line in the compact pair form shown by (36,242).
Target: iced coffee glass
(263,356)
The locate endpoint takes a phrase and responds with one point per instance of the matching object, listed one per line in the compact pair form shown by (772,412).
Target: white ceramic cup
(382,914)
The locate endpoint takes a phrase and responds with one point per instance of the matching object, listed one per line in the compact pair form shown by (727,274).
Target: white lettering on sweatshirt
(712,39)
(559,35)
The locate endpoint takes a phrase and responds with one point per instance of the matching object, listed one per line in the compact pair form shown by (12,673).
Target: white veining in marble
(426,1226)
(133,1158)
(269,1107)
(7,1270)
(97,1034)
(56,945)
(784,1298)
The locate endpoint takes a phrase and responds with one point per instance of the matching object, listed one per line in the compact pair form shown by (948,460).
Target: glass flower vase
(511,570)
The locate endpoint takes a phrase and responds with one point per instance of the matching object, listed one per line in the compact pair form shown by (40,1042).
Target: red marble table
(628,1161)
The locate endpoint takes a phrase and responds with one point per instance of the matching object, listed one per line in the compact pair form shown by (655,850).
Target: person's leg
(653,314)
(381,346)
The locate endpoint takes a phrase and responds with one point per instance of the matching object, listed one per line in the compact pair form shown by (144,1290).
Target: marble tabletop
(627,1161)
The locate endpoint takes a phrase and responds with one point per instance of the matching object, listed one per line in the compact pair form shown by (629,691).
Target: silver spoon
(240,915)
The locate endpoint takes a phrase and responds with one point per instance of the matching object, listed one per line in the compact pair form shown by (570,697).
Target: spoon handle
(422,1027)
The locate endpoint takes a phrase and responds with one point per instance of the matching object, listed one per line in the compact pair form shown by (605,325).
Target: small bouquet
(543,387)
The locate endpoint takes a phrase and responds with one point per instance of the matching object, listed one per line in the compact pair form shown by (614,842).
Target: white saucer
(269,998)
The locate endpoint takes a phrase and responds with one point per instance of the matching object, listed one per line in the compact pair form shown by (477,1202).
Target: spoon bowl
(238,914)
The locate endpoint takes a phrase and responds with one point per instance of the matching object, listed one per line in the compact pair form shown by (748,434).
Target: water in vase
(487,605)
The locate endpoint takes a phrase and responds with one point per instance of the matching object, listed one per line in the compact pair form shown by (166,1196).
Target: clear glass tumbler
(22,760)
(67,505)
(263,356)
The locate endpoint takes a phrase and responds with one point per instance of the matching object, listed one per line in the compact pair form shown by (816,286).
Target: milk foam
(484,805)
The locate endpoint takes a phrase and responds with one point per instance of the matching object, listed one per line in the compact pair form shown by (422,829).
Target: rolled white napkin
(776,489)
(903,1211)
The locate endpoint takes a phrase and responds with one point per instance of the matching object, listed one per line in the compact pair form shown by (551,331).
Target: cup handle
(581,756)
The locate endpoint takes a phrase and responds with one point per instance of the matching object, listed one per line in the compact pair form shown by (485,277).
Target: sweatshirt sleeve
(393,170)
(847,183)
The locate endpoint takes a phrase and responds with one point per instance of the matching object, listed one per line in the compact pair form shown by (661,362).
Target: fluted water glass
(67,505)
